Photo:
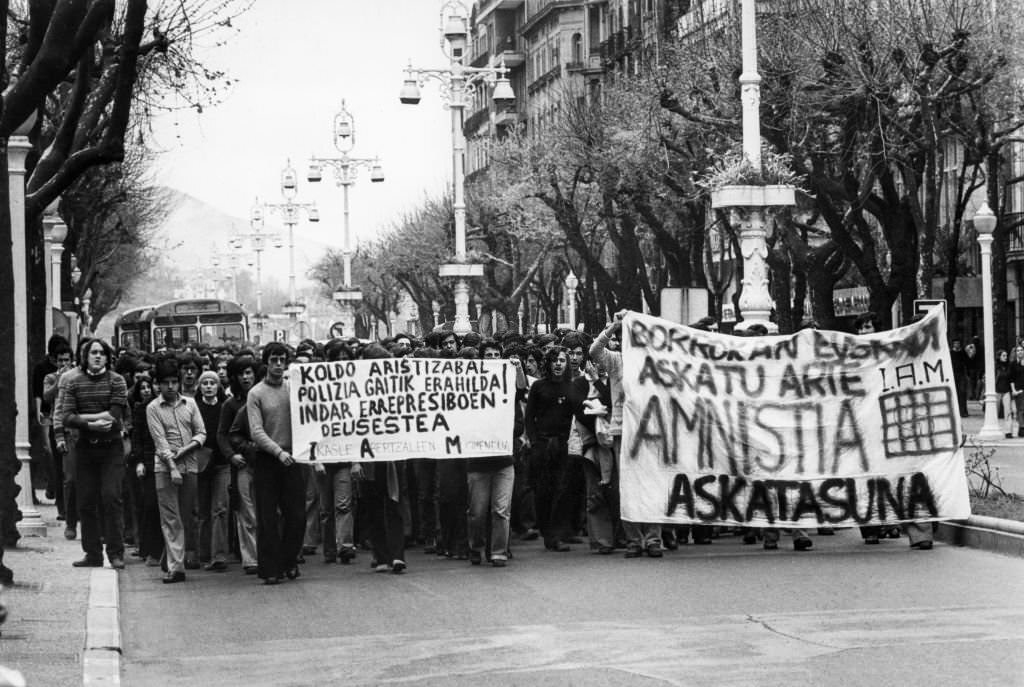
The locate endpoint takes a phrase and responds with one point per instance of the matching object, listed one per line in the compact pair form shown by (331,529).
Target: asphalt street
(725,614)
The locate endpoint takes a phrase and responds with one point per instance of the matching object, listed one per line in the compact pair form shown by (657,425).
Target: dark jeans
(551,479)
(384,523)
(524,510)
(452,504)
(151,537)
(99,477)
(279,537)
(425,498)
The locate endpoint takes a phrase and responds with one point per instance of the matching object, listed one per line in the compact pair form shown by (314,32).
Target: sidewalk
(44,636)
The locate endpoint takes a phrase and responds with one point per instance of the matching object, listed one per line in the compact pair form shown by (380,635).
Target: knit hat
(209,374)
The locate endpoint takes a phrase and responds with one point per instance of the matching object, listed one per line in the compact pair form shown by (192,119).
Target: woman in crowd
(1017,386)
(1002,370)
(151,539)
(214,478)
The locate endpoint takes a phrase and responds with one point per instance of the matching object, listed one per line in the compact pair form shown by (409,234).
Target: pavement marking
(101,660)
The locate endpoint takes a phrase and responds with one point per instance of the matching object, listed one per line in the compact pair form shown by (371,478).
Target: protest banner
(815,428)
(398,408)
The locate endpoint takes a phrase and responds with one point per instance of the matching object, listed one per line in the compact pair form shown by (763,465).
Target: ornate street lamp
(457,84)
(571,284)
(985,225)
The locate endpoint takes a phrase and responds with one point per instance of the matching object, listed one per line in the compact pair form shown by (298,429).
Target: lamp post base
(31,523)
(990,430)
(460,271)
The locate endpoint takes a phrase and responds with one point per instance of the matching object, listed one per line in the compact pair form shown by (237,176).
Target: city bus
(132,329)
(179,323)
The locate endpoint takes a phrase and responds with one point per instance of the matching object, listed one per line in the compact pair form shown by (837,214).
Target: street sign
(922,306)
(281,335)
(337,330)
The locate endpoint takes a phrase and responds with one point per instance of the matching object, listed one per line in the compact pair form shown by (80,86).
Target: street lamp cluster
(458,82)
(346,168)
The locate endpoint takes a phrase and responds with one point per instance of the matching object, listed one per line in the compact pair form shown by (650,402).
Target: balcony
(1015,238)
(508,50)
(545,78)
(475,121)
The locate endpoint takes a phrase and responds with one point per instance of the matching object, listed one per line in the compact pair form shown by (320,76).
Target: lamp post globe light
(346,169)
(457,83)
(985,225)
(289,211)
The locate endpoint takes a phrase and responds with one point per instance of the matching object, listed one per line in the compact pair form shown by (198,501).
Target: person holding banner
(640,537)
(280,484)
(382,490)
(489,482)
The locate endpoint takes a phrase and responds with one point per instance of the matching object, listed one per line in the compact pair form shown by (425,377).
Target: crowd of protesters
(185,456)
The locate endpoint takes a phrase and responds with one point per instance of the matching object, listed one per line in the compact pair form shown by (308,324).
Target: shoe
(557,546)
(634,551)
(1009,435)
(771,546)
(152,561)
(301,560)
(293,573)
(871,540)
(172,577)
(60,517)
(654,551)
(893,533)
(308,550)
(272,581)
(925,545)
(475,558)
(749,539)
(530,535)
(499,562)
(117,563)
(88,562)
(605,550)
(573,540)
(70,533)
(50,495)
(346,556)
(192,565)
(826,531)
(217,566)
(398,566)
(250,569)
(381,567)
(802,544)
(704,542)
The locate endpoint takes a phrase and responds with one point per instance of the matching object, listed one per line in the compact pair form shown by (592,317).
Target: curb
(101,660)
(982,532)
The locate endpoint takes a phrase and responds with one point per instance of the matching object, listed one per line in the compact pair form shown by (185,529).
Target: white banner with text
(398,408)
(815,428)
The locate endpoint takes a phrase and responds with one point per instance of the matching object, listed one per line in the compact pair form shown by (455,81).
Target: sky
(294,61)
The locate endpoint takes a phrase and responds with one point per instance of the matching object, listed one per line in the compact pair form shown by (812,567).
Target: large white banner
(816,428)
(397,408)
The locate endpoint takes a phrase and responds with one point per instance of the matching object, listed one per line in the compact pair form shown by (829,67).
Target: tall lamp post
(55,232)
(985,224)
(457,84)
(289,210)
(346,168)
(257,241)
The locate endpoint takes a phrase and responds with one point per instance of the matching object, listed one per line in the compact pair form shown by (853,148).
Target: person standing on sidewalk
(236,443)
(94,402)
(177,429)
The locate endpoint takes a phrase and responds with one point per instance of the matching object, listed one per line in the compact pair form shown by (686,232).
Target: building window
(577,48)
